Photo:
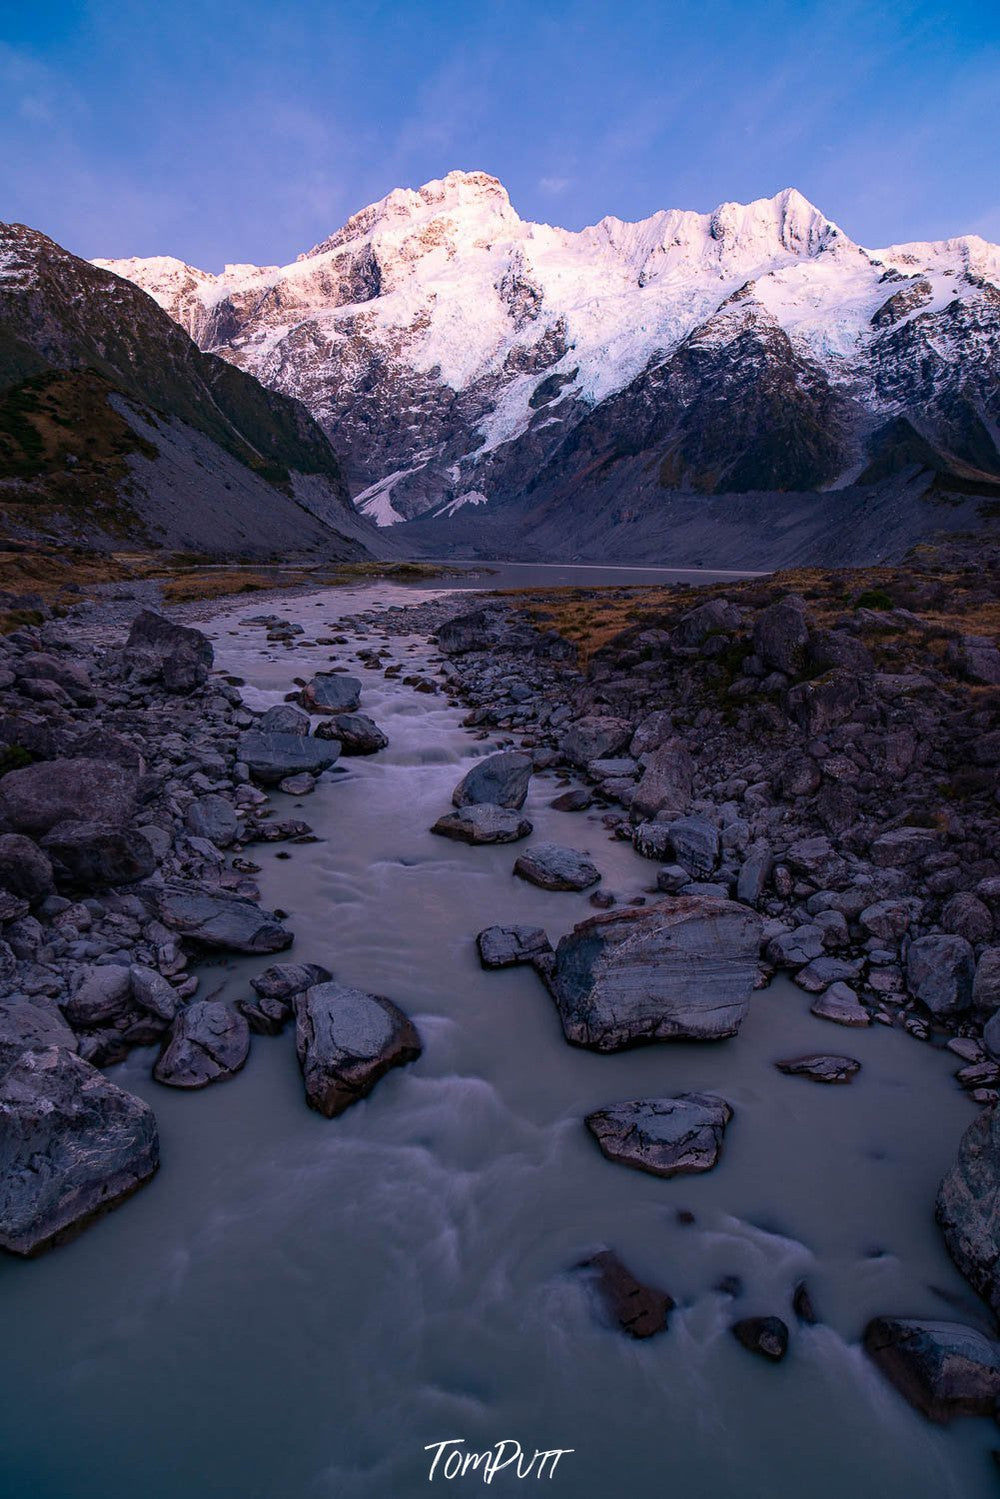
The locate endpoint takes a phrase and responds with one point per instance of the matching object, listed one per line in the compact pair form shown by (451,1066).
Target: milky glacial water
(296,1307)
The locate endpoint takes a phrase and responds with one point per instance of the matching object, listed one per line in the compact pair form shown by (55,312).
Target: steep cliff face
(461,357)
(109,412)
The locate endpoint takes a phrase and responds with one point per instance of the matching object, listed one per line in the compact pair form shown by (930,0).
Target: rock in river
(968,1206)
(331,692)
(209,1040)
(483,823)
(72,1144)
(638,1309)
(499,779)
(503,946)
(357,733)
(942,1368)
(271,758)
(218,920)
(275,990)
(681,970)
(767,1336)
(665,1136)
(553,867)
(821,1068)
(346,1041)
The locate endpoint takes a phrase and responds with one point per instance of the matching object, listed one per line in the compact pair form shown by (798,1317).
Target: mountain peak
(473,194)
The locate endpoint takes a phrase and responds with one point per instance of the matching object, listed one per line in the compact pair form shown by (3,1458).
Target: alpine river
(296,1307)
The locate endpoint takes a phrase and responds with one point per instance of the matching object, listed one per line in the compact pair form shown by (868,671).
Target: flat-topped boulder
(346,1040)
(483,823)
(683,969)
(72,1144)
(553,867)
(968,1206)
(672,1136)
(208,1040)
(942,1368)
(221,920)
(271,758)
(283,718)
(821,1067)
(503,946)
(331,692)
(501,780)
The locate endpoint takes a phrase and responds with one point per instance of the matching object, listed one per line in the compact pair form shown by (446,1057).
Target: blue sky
(220,131)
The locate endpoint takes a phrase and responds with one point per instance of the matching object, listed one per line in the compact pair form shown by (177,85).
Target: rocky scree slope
(114,425)
(471,365)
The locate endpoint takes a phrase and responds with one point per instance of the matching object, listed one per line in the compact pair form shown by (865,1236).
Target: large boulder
(283,718)
(502,780)
(665,788)
(356,732)
(553,867)
(780,634)
(968,1206)
(695,843)
(35,799)
(72,1144)
(208,1041)
(101,992)
(25,1026)
(346,1040)
(682,970)
(483,823)
(212,817)
(24,869)
(594,738)
(942,1368)
(271,758)
(940,971)
(224,921)
(92,855)
(664,1136)
(178,656)
(331,692)
(473,631)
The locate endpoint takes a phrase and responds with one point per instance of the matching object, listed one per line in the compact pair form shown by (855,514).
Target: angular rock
(553,867)
(502,780)
(35,799)
(92,855)
(72,1144)
(483,823)
(358,734)
(24,869)
(754,874)
(986,985)
(939,972)
(25,1026)
(331,692)
(968,1206)
(214,818)
(683,970)
(224,921)
(821,1067)
(208,1041)
(503,946)
(820,973)
(965,915)
(888,920)
(942,1368)
(473,631)
(157,648)
(347,1040)
(270,758)
(795,949)
(780,634)
(902,847)
(695,843)
(665,1136)
(841,1005)
(276,987)
(283,718)
(101,993)
(639,1310)
(152,993)
(665,787)
(594,738)
(767,1336)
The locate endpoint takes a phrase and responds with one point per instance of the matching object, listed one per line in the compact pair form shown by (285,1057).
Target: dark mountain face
(91,370)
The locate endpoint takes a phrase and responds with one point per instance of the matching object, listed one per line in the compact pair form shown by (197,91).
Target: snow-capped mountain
(461,358)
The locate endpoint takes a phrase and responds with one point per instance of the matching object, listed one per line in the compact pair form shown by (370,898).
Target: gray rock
(767,1336)
(754,874)
(35,799)
(501,780)
(840,1004)
(152,993)
(888,920)
(223,921)
(821,1068)
(595,738)
(716,617)
(473,631)
(991,1036)
(671,878)
(940,972)
(101,993)
(347,1040)
(275,990)
(576,800)
(664,1136)
(967,1206)
(683,970)
(208,1041)
(986,985)
(503,946)
(24,869)
(780,634)
(830,650)
(795,949)
(942,1368)
(820,973)
(212,817)
(653,841)
(93,855)
(553,867)
(25,1026)
(271,758)
(966,916)
(696,844)
(639,1310)
(665,787)
(653,731)
(977,659)
(358,734)
(159,649)
(902,847)
(302,784)
(483,823)
(72,1144)
(283,718)
(331,692)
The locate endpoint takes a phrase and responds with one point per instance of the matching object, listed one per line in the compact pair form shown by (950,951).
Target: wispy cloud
(554,185)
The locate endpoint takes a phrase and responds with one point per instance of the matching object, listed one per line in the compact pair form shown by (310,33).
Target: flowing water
(296,1307)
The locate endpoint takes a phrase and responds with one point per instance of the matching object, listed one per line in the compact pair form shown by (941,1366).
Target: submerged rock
(552,867)
(483,823)
(767,1336)
(665,1136)
(346,1040)
(72,1144)
(968,1206)
(640,1310)
(682,970)
(501,780)
(942,1368)
(503,946)
(217,920)
(209,1041)
(821,1068)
